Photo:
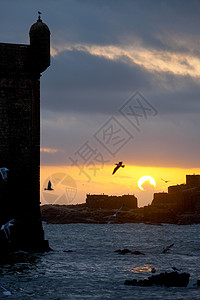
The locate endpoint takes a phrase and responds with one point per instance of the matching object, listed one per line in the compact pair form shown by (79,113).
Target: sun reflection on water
(139,269)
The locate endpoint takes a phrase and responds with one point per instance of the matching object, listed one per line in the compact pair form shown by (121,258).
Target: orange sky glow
(71,187)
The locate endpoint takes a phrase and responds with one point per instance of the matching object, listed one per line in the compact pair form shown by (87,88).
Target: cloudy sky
(124,80)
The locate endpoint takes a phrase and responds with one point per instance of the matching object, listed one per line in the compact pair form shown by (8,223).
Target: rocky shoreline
(80,213)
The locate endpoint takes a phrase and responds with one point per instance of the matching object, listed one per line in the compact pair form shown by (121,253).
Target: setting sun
(143,179)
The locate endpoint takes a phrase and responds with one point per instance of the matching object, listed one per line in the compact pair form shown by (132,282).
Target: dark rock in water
(197,284)
(68,251)
(124,251)
(137,252)
(172,279)
(175,269)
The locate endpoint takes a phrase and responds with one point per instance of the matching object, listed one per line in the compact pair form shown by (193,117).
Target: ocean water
(94,271)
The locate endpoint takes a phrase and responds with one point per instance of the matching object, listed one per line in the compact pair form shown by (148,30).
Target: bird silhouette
(39,13)
(117,167)
(3,172)
(167,248)
(166,181)
(6,228)
(115,214)
(5,291)
(49,188)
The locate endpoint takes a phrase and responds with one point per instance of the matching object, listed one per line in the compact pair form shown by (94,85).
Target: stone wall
(20,135)
(111,202)
(181,198)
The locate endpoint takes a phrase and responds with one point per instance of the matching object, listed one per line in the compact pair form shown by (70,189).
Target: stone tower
(20,71)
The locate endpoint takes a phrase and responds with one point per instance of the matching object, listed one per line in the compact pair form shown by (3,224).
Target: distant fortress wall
(182,198)
(20,69)
(193,180)
(111,202)
(167,201)
(177,188)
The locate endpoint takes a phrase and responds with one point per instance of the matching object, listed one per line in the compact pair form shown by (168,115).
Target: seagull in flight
(6,228)
(49,188)
(3,172)
(167,248)
(117,167)
(166,181)
(115,214)
(5,291)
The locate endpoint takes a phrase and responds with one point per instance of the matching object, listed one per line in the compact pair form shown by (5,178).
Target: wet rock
(137,252)
(124,251)
(172,279)
(175,269)
(197,284)
(68,251)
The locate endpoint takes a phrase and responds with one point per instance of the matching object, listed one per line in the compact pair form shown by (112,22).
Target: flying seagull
(49,188)
(166,181)
(118,166)
(5,291)
(115,214)
(3,172)
(39,13)
(6,228)
(167,248)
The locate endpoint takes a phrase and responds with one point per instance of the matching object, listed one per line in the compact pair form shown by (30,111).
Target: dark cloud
(80,91)
(179,101)
(102,22)
(86,83)
(169,140)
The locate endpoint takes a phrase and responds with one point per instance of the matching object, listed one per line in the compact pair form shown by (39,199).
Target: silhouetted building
(111,202)
(181,198)
(168,201)
(193,180)
(176,188)
(20,71)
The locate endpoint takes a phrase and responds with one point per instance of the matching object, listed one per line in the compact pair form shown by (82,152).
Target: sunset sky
(123,85)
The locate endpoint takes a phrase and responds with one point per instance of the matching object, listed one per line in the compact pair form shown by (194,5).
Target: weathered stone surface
(172,279)
(123,251)
(111,202)
(126,251)
(20,138)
